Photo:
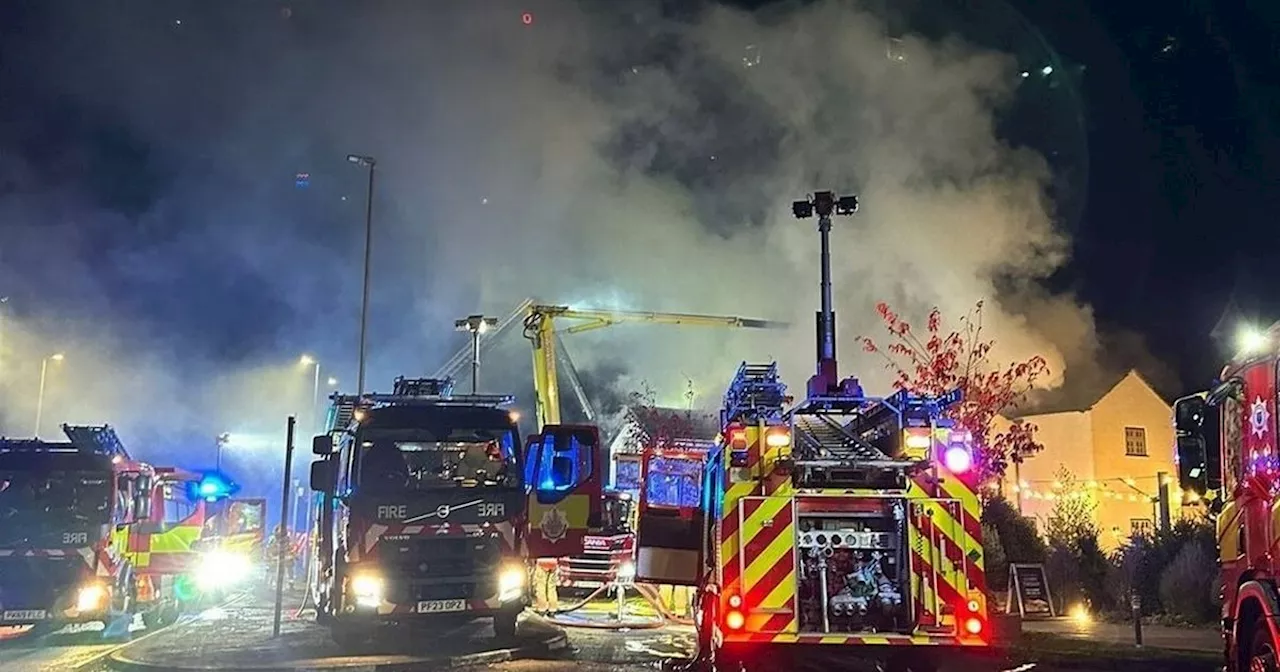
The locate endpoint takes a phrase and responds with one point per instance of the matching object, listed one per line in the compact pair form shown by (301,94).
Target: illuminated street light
(44,372)
(476,325)
(1252,340)
(332,382)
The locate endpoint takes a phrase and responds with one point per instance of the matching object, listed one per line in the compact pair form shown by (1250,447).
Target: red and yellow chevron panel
(759,565)
(756,557)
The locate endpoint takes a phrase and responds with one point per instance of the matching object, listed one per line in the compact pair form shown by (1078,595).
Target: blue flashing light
(212,487)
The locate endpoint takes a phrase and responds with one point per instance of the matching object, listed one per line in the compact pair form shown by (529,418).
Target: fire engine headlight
(627,571)
(512,579)
(92,597)
(222,569)
(367,588)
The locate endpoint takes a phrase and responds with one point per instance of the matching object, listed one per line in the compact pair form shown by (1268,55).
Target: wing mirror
(322,445)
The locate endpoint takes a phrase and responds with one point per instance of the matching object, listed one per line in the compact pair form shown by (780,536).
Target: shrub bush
(1093,570)
(1018,536)
(1140,564)
(1186,587)
(997,565)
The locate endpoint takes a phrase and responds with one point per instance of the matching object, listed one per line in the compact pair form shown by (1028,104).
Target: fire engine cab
(1227,455)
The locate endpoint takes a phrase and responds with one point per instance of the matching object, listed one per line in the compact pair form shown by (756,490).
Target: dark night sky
(1180,103)
(1182,200)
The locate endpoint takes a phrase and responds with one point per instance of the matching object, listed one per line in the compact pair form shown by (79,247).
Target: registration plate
(441,606)
(23,615)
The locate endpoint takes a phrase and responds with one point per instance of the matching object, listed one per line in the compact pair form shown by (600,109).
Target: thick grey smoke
(605,155)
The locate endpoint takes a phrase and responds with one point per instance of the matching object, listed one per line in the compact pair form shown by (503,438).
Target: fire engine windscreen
(627,476)
(458,458)
(674,482)
(36,504)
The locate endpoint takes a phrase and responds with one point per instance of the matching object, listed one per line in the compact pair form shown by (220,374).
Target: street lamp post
(314,413)
(476,325)
(3,301)
(44,373)
(365,162)
(222,440)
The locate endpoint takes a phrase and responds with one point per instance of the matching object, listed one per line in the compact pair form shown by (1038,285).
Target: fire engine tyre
(504,624)
(349,637)
(1262,651)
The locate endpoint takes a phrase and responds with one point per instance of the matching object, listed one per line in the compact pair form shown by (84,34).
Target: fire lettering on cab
(393,512)
(493,510)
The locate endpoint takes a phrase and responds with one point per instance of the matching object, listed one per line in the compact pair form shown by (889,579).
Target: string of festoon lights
(1125,488)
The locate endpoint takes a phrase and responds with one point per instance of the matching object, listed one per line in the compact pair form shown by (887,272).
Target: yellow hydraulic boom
(539,328)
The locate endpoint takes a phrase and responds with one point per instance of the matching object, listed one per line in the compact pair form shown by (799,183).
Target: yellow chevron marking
(768,558)
(781,595)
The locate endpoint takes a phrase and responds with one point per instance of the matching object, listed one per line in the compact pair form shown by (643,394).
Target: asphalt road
(242,631)
(76,649)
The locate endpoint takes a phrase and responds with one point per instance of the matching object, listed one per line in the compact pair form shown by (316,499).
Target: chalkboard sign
(1029,589)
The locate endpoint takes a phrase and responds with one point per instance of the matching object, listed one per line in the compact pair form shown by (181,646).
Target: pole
(364,302)
(1135,604)
(828,344)
(314,413)
(44,371)
(475,361)
(1162,479)
(3,301)
(283,544)
(1017,482)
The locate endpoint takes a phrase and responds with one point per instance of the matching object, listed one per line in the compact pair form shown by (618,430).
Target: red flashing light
(527,18)
(738,438)
(973,626)
(734,620)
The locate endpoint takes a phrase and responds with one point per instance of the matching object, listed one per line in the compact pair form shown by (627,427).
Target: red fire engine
(843,521)
(1227,454)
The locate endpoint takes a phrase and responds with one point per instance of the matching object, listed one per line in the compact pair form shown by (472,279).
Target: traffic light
(211,487)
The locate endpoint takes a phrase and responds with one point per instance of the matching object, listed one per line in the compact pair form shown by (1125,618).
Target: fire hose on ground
(647,592)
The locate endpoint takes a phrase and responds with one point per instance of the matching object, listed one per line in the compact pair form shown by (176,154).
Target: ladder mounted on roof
(84,439)
(755,393)
(409,392)
(100,439)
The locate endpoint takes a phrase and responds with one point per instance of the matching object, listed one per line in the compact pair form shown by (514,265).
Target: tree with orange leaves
(937,362)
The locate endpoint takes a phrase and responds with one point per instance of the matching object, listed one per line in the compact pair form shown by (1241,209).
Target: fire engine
(1226,453)
(87,533)
(163,549)
(66,510)
(431,510)
(843,521)
(607,552)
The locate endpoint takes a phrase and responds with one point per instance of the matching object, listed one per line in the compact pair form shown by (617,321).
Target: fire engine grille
(440,568)
(35,583)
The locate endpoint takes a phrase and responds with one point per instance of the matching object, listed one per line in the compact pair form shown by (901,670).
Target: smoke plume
(180,220)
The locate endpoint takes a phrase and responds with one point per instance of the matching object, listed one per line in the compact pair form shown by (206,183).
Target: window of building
(1135,441)
(1140,527)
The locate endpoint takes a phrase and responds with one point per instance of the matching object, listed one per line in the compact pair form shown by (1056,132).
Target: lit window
(1140,527)
(1135,441)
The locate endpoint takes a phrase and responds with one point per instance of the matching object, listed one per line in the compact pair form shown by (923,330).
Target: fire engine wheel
(504,624)
(1262,651)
